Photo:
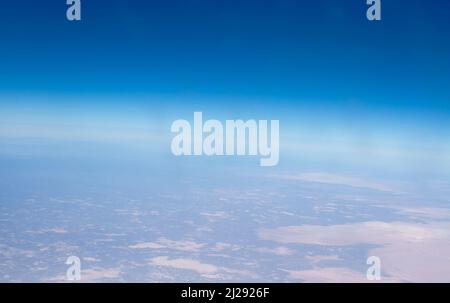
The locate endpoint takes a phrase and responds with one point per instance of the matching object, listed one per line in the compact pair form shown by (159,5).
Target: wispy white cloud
(186,264)
(408,252)
(91,275)
(279,251)
(161,243)
(332,275)
(327,178)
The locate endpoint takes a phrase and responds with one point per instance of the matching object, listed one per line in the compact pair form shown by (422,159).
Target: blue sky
(333,78)
(322,50)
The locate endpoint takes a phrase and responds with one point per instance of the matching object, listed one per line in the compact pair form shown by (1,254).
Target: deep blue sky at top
(319,50)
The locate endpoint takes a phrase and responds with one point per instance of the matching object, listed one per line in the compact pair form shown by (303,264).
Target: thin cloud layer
(408,252)
(186,264)
(327,178)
